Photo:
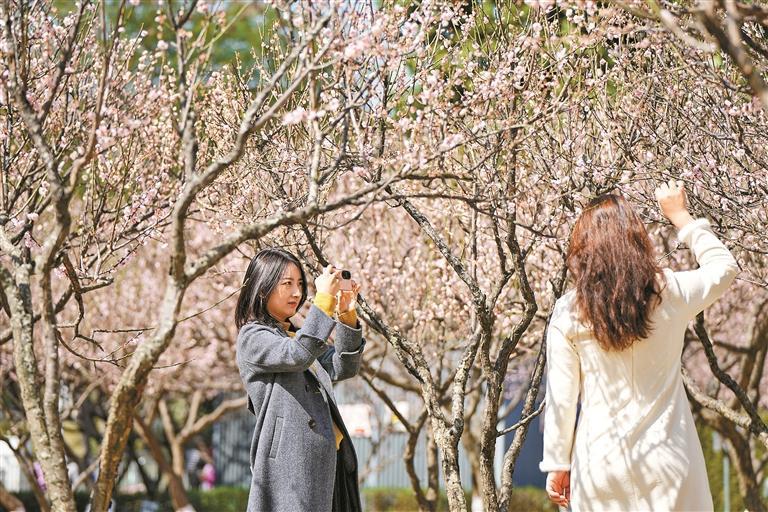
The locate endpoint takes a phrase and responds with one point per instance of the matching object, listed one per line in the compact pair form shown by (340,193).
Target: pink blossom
(356,48)
(29,242)
(296,116)
(451,141)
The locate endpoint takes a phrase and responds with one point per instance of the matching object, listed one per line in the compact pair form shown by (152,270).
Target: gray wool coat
(293,449)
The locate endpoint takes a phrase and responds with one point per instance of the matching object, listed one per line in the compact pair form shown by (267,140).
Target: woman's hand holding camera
(329,281)
(339,285)
(348,297)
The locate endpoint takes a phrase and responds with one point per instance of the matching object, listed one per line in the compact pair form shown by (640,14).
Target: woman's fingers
(329,280)
(671,186)
(676,185)
(553,491)
(554,496)
(352,293)
(557,499)
(558,488)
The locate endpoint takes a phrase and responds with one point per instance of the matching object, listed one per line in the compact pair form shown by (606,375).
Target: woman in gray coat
(302,458)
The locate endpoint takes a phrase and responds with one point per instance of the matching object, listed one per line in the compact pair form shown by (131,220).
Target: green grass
(235,499)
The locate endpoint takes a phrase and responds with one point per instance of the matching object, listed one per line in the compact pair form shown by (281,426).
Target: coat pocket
(276,434)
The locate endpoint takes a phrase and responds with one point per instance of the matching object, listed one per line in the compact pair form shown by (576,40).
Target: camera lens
(346,274)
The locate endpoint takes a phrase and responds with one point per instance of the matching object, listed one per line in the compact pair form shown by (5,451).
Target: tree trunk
(177,458)
(408,458)
(449,445)
(19,296)
(179,498)
(433,470)
(127,395)
(739,453)
(60,488)
(9,501)
(488,490)
(471,445)
(149,484)
(510,458)
(26,468)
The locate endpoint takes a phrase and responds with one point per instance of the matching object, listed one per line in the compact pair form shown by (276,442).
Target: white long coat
(635,446)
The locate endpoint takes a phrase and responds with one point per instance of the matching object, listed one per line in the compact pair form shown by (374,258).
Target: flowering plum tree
(442,150)
(108,146)
(438,290)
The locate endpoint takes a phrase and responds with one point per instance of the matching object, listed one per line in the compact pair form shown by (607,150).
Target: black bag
(346,492)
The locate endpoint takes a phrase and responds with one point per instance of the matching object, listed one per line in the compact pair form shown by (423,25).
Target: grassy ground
(235,499)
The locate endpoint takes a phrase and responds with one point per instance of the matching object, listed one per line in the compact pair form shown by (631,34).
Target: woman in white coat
(614,347)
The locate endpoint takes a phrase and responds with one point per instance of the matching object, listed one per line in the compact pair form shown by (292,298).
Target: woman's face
(284,299)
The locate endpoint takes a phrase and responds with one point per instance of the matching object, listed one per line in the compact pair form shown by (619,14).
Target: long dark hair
(262,277)
(613,263)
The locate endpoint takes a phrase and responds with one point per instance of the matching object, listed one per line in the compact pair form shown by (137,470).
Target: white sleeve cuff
(686,232)
(546,467)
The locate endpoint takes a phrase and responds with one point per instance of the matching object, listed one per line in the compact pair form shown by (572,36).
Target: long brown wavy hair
(613,264)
